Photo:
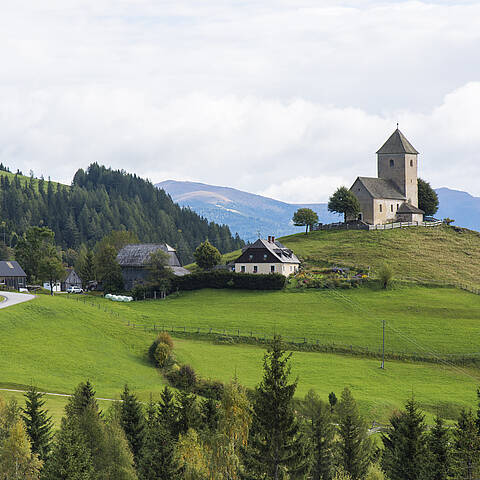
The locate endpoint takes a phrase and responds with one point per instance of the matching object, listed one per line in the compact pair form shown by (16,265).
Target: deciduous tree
(305,217)
(344,201)
(427,198)
(207,256)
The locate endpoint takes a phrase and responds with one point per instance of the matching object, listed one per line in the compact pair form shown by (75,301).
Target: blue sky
(285,98)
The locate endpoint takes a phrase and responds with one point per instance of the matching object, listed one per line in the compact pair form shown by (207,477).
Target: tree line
(250,435)
(101,200)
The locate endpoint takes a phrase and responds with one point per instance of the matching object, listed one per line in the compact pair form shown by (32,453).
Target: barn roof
(397,143)
(11,268)
(138,254)
(381,188)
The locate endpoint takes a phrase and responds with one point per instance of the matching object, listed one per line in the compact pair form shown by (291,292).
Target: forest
(99,201)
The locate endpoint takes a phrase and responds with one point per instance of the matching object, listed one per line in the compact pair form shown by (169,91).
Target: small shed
(409,213)
(72,280)
(12,275)
(134,261)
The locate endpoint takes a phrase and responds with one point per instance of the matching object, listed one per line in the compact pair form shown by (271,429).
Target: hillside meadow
(56,342)
(439,254)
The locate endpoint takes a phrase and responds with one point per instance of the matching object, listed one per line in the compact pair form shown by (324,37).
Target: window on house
(392,163)
(391,207)
(255,269)
(264,256)
(272,268)
(243,268)
(380,208)
(250,257)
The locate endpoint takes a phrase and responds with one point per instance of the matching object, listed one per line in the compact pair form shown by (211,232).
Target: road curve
(14,298)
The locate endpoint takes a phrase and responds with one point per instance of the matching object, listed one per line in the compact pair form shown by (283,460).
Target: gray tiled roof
(11,268)
(397,143)
(138,255)
(406,207)
(381,188)
(281,253)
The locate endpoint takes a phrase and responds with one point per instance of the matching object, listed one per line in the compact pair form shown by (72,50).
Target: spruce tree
(354,447)
(405,452)
(37,422)
(132,421)
(439,452)
(277,447)
(157,459)
(188,415)
(466,448)
(167,410)
(209,412)
(322,435)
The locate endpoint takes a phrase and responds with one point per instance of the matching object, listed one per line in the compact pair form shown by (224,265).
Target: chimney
(273,239)
(269,239)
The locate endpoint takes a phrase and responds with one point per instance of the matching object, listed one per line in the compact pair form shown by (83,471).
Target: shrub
(185,378)
(209,388)
(224,340)
(162,354)
(164,337)
(385,275)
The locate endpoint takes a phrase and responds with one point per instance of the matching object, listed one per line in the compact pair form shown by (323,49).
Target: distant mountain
(245,213)
(249,214)
(461,206)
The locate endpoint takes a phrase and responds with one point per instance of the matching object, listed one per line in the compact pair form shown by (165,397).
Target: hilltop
(441,254)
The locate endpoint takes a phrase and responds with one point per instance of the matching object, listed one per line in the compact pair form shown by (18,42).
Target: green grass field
(440,254)
(440,320)
(56,342)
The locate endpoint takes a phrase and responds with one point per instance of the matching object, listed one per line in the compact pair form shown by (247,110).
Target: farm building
(267,256)
(134,261)
(12,275)
(72,280)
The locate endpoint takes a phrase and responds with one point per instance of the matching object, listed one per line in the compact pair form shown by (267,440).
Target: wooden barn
(12,275)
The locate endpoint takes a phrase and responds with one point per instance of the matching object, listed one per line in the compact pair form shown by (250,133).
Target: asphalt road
(14,298)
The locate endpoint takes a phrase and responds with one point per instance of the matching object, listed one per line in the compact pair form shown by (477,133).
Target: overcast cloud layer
(285,98)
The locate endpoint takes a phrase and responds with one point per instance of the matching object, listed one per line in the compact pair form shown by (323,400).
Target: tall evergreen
(405,444)
(132,421)
(439,451)
(322,435)
(276,446)
(187,413)
(37,422)
(157,459)
(466,448)
(354,447)
(167,410)
(209,412)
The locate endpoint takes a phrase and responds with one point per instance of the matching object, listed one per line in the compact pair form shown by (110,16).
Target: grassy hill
(58,342)
(442,254)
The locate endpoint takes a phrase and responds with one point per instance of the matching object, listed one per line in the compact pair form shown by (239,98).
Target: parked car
(74,289)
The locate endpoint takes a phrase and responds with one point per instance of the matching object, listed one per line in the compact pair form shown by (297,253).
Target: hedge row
(226,279)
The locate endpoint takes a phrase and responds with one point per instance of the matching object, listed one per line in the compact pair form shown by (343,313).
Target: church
(393,196)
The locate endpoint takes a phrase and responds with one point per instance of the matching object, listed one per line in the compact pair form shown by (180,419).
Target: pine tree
(209,412)
(354,447)
(322,435)
(157,459)
(83,397)
(439,452)
(277,447)
(132,422)
(37,422)
(188,415)
(466,448)
(167,411)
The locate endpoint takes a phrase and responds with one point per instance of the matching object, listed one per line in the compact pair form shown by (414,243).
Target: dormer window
(392,163)
(264,256)
(250,257)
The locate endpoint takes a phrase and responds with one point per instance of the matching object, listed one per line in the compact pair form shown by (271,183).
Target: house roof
(11,268)
(381,188)
(406,207)
(397,143)
(281,253)
(138,255)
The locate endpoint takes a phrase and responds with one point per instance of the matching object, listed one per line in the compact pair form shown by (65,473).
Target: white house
(267,256)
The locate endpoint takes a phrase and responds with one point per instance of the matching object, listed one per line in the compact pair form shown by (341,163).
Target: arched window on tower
(392,163)
(411,163)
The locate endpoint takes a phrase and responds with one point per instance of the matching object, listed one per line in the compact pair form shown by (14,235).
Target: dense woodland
(102,200)
(250,435)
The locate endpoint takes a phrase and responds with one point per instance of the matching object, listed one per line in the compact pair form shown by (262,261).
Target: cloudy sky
(288,98)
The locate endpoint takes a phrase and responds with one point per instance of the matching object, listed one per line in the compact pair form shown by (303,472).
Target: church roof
(406,207)
(381,188)
(397,143)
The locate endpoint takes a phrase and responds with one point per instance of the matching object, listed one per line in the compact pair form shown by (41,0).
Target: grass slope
(443,320)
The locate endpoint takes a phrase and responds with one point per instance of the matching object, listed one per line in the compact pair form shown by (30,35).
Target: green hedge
(226,279)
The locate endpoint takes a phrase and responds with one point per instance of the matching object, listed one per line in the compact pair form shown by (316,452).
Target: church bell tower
(397,162)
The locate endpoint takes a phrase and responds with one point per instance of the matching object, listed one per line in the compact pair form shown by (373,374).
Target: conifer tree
(209,412)
(439,452)
(322,435)
(466,448)
(37,422)
(276,447)
(157,459)
(187,413)
(167,410)
(354,447)
(132,421)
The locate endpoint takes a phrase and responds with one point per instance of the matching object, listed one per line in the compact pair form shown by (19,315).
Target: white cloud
(287,98)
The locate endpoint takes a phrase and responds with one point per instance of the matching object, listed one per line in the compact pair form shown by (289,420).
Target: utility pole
(383,347)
